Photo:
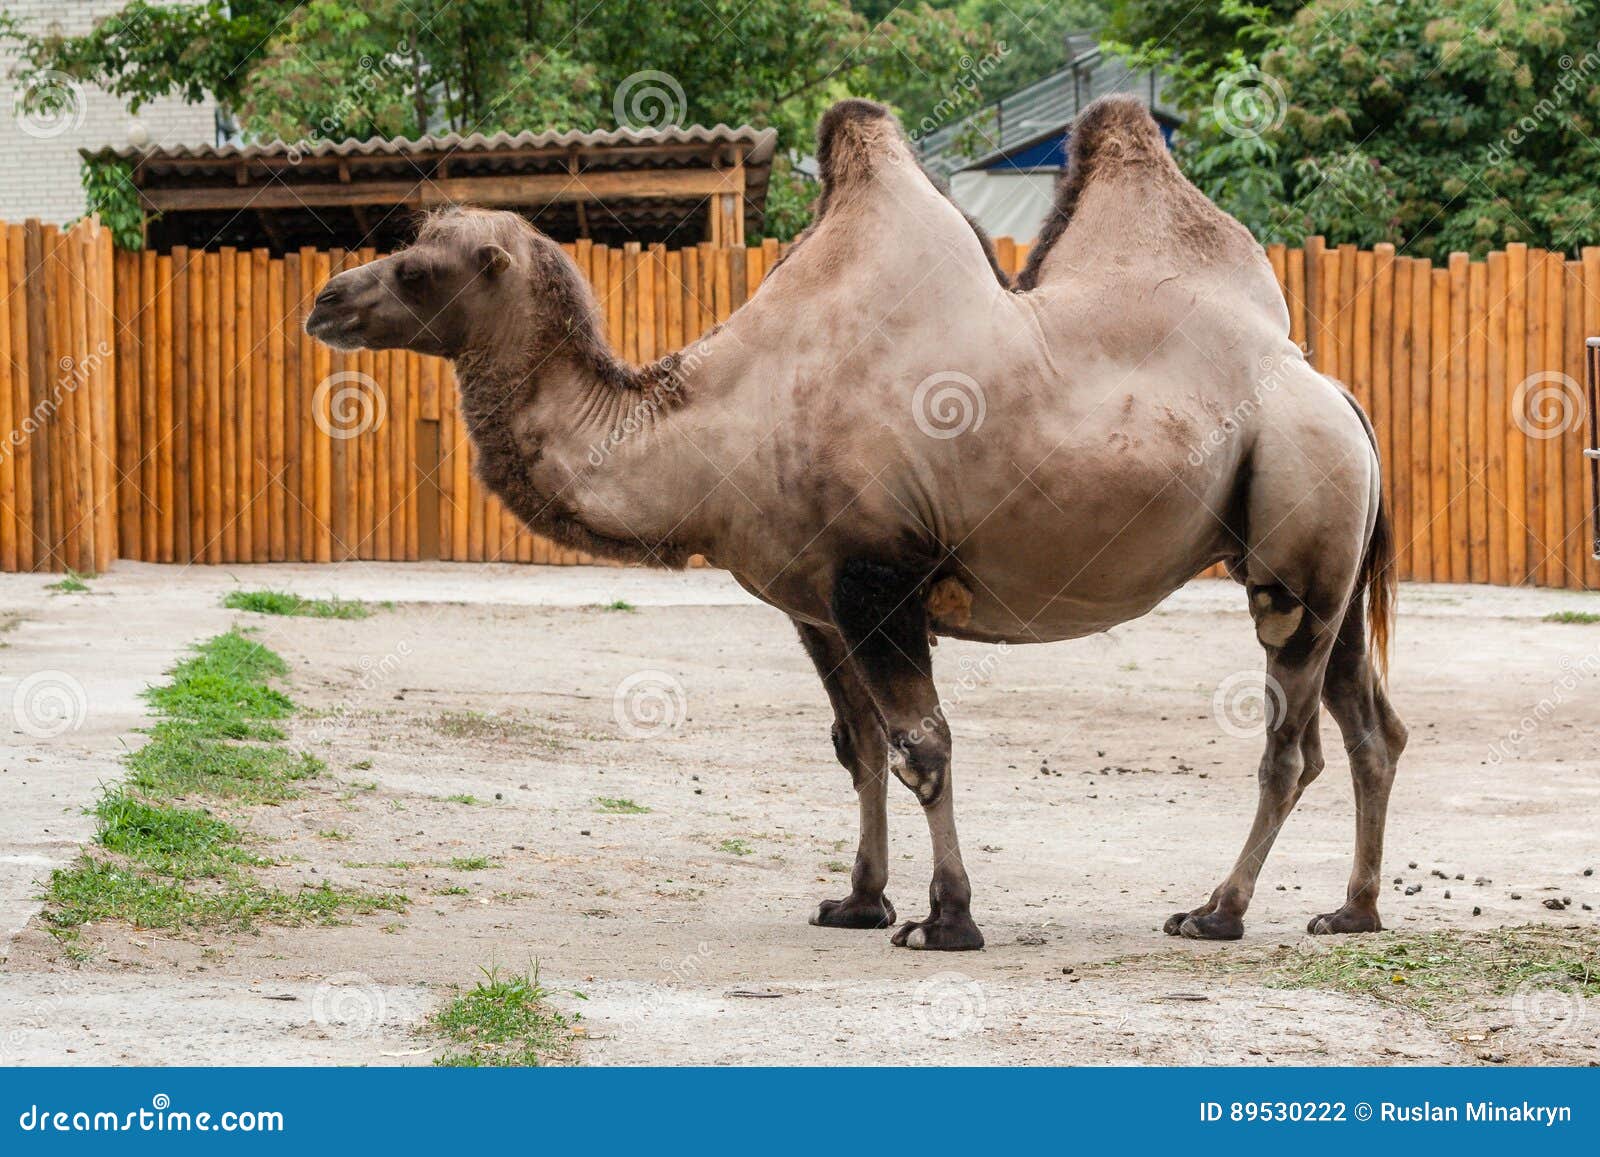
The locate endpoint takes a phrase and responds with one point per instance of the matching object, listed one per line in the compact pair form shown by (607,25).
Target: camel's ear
(493,260)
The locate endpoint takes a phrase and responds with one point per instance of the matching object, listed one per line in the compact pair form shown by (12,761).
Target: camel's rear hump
(1123,195)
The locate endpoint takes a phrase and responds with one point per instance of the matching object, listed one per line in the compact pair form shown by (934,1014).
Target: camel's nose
(330,294)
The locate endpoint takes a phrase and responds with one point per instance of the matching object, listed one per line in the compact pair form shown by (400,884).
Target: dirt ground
(1101,785)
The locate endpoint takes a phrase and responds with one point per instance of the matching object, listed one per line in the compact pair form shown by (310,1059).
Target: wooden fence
(167,407)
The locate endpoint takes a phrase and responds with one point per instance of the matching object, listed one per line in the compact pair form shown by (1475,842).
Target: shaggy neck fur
(552,411)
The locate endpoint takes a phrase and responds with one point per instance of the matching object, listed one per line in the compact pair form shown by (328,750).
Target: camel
(890,444)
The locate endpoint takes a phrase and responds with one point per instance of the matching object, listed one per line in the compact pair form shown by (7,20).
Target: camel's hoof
(941,934)
(1203,925)
(1345,920)
(854,912)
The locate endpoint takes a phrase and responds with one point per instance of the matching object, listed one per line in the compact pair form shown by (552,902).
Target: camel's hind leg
(863,749)
(1374,737)
(1298,641)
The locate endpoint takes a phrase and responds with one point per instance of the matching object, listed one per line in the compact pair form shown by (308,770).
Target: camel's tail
(1377,577)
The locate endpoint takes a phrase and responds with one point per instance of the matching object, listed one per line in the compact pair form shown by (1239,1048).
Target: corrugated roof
(760,144)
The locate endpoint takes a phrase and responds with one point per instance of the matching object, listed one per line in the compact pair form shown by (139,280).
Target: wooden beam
(530,189)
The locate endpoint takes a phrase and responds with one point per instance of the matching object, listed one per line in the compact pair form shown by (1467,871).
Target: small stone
(1447,893)
(1460,876)
(1554,905)
(1398,880)
(1412,864)
(497,795)
(1477,911)
(1516,895)
(1413,890)
(583,831)
(1588,871)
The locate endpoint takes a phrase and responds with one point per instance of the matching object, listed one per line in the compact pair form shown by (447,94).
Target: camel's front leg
(885,626)
(862,748)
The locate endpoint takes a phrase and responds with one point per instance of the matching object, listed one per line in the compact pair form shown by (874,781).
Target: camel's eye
(411,274)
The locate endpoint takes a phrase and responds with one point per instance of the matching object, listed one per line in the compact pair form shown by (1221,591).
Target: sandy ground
(1101,785)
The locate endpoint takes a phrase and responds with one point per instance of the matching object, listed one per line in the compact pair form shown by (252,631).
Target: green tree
(327,69)
(1436,124)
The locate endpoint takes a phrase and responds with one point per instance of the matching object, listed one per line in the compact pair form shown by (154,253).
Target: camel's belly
(1067,581)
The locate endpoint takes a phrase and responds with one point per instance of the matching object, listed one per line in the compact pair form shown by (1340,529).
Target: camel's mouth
(342,333)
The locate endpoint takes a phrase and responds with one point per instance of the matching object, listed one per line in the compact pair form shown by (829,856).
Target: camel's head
(460,281)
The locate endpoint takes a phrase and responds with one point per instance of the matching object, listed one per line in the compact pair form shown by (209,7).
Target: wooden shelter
(672,185)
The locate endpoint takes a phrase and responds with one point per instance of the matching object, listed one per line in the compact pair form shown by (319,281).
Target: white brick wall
(39,162)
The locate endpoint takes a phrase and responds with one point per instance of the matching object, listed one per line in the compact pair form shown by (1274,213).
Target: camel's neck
(578,446)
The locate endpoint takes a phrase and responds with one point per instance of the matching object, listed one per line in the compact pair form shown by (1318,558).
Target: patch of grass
(363,765)
(1426,969)
(1572,617)
(270,602)
(161,865)
(71,944)
(461,798)
(471,863)
(476,725)
(1425,972)
(222,691)
(333,834)
(736,847)
(503,1022)
(93,889)
(619,807)
(183,843)
(836,866)
(71,584)
(180,761)
(619,605)
(453,890)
